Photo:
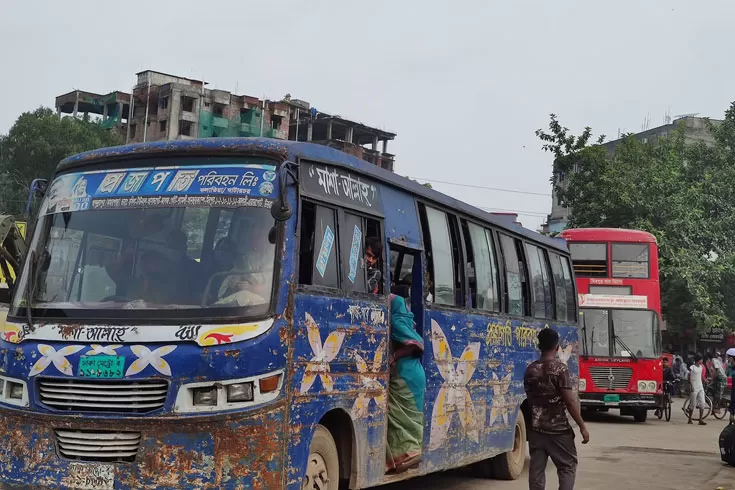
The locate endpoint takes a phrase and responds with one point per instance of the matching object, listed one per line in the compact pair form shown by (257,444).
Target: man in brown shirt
(549,391)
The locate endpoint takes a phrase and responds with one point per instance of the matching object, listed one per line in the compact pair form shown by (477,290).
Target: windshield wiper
(584,336)
(620,341)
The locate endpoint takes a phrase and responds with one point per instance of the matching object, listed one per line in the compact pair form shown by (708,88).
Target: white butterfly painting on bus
(57,358)
(369,381)
(501,401)
(323,354)
(565,353)
(453,396)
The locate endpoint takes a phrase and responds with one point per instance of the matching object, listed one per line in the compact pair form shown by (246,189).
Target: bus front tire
(640,415)
(322,467)
(507,466)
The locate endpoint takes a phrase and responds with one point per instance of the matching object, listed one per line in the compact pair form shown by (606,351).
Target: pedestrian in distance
(550,395)
(696,397)
(731,364)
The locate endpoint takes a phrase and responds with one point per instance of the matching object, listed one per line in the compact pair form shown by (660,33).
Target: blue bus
(197,314)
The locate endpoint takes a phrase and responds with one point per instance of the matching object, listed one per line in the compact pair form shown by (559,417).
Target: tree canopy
(35,144)
(682,192)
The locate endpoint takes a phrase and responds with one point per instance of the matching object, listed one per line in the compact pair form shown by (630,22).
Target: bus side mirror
(280,210)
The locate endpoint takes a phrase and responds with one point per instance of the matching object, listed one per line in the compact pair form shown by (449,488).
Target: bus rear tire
(640,415)
(322,467)
(509,466)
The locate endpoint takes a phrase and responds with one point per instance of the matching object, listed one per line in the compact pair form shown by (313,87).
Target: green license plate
(101,366)
(611,398)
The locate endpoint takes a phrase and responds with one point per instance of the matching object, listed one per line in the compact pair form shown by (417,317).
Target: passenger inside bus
(373,261)
(406,390)
(156,284)
(242,276)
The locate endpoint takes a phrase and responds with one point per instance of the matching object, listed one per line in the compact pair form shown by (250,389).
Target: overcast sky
(464,84)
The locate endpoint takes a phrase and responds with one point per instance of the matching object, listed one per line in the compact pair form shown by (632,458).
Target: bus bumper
(618,400)
(222,452)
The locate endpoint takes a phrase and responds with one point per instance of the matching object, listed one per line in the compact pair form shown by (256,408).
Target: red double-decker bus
(620,312)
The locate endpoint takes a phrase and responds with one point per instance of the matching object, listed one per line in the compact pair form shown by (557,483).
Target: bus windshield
(210,259)
(612,332)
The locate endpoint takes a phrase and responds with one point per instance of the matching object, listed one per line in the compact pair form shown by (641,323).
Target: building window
(185,128)
(162,126)
(187,104)
(218,110)
(276,122)
(164,103)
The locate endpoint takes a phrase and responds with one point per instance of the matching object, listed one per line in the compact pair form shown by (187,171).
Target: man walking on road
(549,391)
(696,397)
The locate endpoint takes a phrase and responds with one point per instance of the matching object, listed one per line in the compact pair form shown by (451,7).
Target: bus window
(318,250)
(194,225)
(352,237)
(441,257)
(542,305)
(630,260)
(590,259)
(595,328)
(569,286)
(401,271)
(560,289)
(516,300)
(482,268)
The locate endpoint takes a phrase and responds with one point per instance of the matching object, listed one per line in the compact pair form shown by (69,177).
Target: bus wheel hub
(316,477)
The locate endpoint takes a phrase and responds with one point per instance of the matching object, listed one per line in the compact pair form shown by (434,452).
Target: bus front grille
(103,396)
(104,446)
(611,378)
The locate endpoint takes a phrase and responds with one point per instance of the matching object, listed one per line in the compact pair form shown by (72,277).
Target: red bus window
(589,259)
(630,260)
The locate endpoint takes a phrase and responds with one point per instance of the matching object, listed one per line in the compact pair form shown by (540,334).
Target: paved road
(656,455)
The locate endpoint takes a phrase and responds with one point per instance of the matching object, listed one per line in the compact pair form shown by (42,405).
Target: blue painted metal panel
(474,370)
(401,219)
(340,353)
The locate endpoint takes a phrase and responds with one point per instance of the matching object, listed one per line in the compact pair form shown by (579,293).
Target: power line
(514,191)
(537,214)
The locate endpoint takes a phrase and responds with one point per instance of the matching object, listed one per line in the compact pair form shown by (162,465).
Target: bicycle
(719,403)
(686,407)
(665,409)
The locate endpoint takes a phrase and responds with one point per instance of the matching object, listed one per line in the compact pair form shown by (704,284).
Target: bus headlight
(205,396)
(240,392)
(230,394)
(13,392)
(582,384)
(647,386)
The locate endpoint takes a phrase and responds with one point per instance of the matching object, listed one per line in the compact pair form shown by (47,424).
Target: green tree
(682,193)
(35,144)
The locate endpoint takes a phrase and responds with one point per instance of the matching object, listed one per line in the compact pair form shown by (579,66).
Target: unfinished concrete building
(168,107)
(114,108)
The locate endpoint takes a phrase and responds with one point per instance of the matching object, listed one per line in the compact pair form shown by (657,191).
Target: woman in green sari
(406,390)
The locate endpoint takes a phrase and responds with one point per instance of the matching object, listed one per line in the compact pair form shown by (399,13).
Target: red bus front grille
(611,378)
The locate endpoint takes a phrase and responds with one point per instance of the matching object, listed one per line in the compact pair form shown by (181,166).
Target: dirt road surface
(655,455)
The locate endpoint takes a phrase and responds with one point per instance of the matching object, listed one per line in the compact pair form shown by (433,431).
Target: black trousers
(562,451)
